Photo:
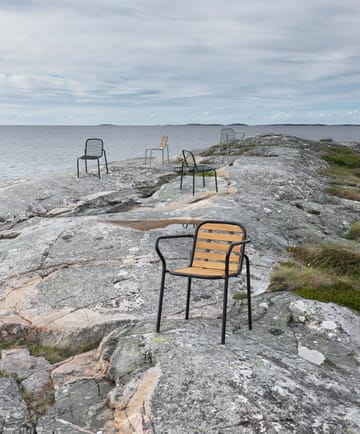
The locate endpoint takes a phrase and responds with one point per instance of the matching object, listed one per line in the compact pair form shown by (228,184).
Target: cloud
(228,61)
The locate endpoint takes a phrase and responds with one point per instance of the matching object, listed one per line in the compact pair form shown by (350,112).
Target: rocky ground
(78,268)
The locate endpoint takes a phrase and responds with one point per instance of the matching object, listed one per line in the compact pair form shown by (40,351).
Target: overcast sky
(162,61)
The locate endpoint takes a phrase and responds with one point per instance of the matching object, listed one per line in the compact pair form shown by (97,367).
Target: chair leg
(193,174)
(162,155)
(106,165)
(98,161)
(161,296)
(216,184)
(145,159)
(188,299)
(223,330)
(85,165)
(203,174)
(181,178)
(248,290)
(77,166)
(167,151)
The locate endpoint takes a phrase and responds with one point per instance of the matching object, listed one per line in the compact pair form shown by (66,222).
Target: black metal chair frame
(189,165)
(163,145)
(93,156)
(226,275)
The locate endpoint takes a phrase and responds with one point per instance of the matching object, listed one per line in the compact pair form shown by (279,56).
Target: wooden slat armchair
(218,253)
(163,146)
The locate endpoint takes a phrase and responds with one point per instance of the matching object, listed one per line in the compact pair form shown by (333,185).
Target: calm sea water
(34,151)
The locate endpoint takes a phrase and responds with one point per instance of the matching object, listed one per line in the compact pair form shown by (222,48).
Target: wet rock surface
(78,267)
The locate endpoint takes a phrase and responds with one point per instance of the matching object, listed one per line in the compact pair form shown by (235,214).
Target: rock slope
(78,267)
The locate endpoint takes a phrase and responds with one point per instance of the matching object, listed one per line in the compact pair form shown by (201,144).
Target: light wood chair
(218,253)
(163,146)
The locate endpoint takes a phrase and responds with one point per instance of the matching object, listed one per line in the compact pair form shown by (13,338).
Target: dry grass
(329,273)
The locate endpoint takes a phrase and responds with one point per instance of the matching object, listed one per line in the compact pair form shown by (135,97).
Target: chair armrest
(230,249)
(168,237)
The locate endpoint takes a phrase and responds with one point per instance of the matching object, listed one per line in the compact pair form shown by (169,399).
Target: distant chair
(163,145)
(189,165)
(94,150)
(228,136)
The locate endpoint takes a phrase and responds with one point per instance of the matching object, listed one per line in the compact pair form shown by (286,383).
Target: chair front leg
(188,299)
(161,296)
(77,166)
(223,330)
(98,162)
(248,290)
(203,176)
(216,184)
(85,165)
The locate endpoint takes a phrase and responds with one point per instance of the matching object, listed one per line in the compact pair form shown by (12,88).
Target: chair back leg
(106,164)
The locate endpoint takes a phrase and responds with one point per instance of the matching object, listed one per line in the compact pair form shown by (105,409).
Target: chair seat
(204,273)
(89,157)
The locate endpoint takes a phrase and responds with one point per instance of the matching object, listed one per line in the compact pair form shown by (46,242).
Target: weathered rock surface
(77,266)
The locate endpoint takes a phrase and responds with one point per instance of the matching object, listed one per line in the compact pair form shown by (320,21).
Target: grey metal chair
(94,150)
(218,253)
(229,136)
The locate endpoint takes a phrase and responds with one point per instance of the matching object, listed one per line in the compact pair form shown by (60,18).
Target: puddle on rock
(147,225)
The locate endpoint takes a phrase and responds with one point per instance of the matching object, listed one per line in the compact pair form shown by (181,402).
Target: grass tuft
(329,273)
(354,232)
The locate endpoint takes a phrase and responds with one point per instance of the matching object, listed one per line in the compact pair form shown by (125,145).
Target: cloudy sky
(162,61)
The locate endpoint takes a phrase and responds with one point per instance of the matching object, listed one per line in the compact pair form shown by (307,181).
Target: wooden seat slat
(215,256)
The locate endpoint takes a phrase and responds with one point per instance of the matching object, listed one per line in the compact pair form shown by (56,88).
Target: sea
(37,151)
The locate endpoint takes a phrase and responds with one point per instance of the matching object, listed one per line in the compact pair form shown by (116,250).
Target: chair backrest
(212,241)
(163,142)
(227,135)
(94,147)
(188,159)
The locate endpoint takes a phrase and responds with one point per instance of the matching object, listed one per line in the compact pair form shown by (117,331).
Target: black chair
(94,150)
(218,253)
(189,165)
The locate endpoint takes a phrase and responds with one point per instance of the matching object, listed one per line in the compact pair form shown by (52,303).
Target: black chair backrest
(189,159)
(94,147)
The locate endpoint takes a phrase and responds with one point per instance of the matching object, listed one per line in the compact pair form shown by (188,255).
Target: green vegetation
(57,354)
(354,232)
(227,149)
(329,273)
(344,169)
(52,354)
